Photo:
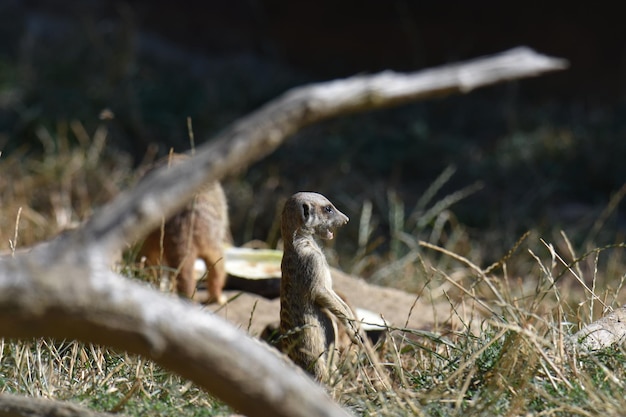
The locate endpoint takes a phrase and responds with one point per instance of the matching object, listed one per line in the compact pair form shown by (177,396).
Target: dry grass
(99,378)
(513,362)
(60,187)
(509,360)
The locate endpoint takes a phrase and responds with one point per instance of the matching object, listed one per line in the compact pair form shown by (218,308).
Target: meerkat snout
(319,216)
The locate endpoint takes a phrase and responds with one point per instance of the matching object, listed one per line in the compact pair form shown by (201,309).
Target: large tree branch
(257,135)
(12,405)
(92,304)
(65,289)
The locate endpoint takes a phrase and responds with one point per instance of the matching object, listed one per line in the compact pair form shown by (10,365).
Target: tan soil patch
(400,309)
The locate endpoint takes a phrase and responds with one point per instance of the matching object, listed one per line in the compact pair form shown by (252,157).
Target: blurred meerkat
(307,332)
(198,230)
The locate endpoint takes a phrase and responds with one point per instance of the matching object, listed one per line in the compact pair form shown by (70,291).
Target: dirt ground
(398,308)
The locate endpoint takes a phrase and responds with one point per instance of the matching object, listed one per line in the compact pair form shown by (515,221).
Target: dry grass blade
(445,203)
(539,347)
(474,267)
(576,275)
(453,255)
(502,261)
(13,242)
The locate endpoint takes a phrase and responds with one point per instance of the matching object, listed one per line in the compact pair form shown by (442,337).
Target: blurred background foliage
(543,154)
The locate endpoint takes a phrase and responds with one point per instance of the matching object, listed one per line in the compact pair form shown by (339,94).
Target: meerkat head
(312,213)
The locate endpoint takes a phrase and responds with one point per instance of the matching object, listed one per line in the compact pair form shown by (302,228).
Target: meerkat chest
(305,270)
(313,269)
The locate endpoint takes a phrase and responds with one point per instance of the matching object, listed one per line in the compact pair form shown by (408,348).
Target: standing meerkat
(199,230)
(306,294)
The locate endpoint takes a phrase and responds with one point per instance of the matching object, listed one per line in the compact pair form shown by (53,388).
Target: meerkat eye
(329,209)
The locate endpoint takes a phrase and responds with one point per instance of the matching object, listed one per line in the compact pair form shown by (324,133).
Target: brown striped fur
(199,230)
(307,298)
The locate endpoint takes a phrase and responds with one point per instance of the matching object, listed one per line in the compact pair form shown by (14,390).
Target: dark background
(549,150)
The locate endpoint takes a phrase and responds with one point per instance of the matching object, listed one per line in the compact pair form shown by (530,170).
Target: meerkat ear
(305,212)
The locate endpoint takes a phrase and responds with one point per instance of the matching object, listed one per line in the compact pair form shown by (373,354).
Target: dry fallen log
(64,288)
(16,406)
(605,332)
